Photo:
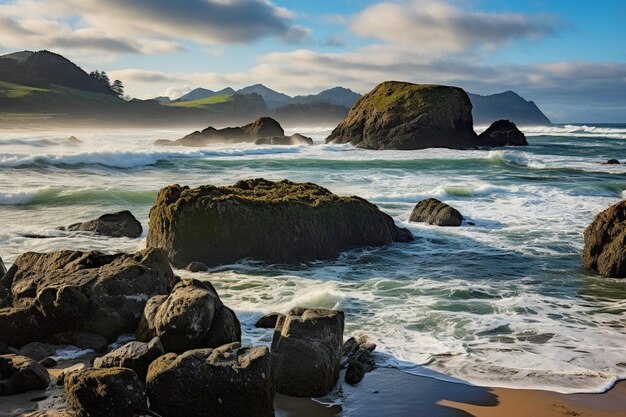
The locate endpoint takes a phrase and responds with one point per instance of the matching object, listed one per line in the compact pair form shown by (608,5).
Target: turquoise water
(503,302)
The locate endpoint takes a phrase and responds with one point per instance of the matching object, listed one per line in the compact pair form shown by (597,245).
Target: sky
(567,56)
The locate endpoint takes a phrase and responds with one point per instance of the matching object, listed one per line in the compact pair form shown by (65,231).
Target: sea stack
(406,116)
(275,222)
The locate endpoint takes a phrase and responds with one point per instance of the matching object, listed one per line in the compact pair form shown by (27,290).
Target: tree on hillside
(102,77)
(118,88)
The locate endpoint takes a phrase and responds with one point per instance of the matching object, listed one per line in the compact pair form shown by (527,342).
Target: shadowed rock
(605,242)
(400,115)
(20,374)
(196,267)
(105,393)
(306,352)
(502,133)
(268,321)
(612,162)
(133,355)
(230,381)
(433,211)
(278,222)
(71,291)
(295,139)
(192,316)
(122,224)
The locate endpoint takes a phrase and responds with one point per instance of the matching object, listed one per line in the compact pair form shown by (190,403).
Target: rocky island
(405,116)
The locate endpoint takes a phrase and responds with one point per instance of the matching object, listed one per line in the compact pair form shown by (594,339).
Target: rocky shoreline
(186,339)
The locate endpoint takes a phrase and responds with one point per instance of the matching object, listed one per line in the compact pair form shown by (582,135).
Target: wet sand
(389,392)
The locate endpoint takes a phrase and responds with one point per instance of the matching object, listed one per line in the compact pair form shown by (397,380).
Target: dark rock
(230,381)
(145,329)
(354,373)
(261,128)
(295,139)
(290,222)
(134,355)
(400,115)
(37,350)
(3,270)
(105,393)
(605,242)
(122,224)
(197,267)
(19,374)
(268,321)
(82,340)
(433,211)
(48,362)
(306,352)
(4,348)
(76,367)
(192,316)
(358,350)
(74,140)
(609,162)
(502,133)
(72,291)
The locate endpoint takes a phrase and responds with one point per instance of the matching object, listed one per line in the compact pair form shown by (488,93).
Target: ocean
(500,301)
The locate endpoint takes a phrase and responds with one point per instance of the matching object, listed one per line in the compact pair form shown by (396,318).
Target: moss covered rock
(277,222)
(401,115)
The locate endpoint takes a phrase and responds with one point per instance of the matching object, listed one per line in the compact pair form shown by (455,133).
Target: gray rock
(230,381)
(37,350)
(306,352)
(268,321)
(19,374)
(72,291)
(192,316)
(121,224)
(134,355)
(197,267)
(105,393)
(433,211)
(358,350)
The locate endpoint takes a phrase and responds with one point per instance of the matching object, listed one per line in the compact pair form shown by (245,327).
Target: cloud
(144,76)
(335,41)
(443,27)
(142,26)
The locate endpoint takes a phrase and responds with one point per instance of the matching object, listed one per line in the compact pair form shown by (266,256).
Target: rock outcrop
(502,133)
(268,321)
(71,290)
(20,374)
(3,269)
(105,393)
(357,358)
(133,355)
(192,316)
(264,127)
(230,381)
(405,116)
(122,224)
(278,222)
(295,139)
(197,267)
(605,242)
(609,162)
(433,211)
(306,352)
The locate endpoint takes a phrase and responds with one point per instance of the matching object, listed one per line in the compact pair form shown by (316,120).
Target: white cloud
(442,27)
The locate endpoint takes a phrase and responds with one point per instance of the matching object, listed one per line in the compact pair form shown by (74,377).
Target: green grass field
(204,102)
(16,90)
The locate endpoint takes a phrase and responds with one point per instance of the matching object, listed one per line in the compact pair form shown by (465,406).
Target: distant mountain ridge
(507,105)
(200,93)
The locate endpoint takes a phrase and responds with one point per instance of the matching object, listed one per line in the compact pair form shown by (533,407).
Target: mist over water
(502,302)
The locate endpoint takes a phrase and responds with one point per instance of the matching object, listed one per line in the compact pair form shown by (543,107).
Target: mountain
(339,96)
(162,99)
(272,98)
(201,93)
(508,105)
(44,69)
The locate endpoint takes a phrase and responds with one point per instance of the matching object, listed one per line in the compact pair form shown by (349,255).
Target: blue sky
(567,56)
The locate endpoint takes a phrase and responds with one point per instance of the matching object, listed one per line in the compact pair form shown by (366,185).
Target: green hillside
(202,103)
(10,90)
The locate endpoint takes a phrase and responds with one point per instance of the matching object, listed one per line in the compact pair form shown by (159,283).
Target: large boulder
(122,224)
(405,116)
(71,290)
(192,316)
(134,355)
(105,393)
(306,352)
(278,222)
(433,211)
(263,127)
(230,381)
(502,133)
(605,242)
(20,374)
